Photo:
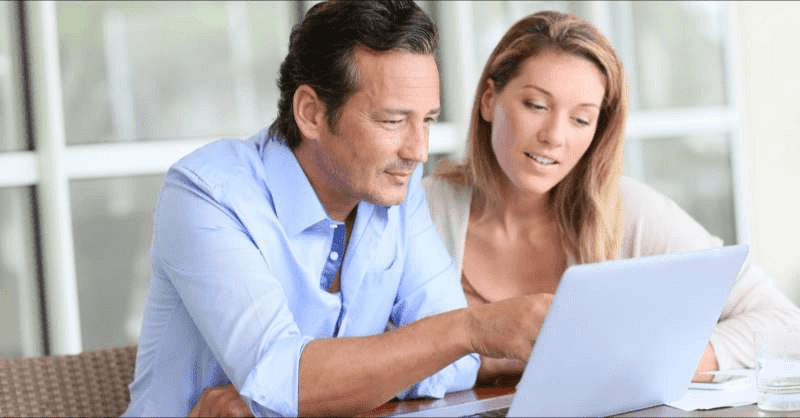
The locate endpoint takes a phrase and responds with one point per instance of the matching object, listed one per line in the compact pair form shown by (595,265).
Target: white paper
(729,393)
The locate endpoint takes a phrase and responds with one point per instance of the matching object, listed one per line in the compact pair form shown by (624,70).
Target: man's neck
(334,201)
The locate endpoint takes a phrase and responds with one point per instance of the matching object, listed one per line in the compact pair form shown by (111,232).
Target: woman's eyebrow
(548,94)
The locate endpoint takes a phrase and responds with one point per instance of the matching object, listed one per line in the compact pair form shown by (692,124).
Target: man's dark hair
(322,45)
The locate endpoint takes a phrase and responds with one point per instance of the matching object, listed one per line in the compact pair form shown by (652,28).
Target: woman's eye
(536,105)
(393,122)
(582,121)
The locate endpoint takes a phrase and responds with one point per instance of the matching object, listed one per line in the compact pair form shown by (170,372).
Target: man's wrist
(465,337)
(453,333)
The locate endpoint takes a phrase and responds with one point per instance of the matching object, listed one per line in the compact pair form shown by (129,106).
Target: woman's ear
(487,101)
(309,112)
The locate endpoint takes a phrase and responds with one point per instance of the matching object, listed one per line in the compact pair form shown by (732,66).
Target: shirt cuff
(459,375)
(272,388)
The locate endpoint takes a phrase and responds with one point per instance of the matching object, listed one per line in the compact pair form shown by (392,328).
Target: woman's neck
(516,211)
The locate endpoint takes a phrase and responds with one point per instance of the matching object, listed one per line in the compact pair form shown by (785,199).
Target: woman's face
(544,120)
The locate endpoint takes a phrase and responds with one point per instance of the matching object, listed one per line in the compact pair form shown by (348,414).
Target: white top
(653,224)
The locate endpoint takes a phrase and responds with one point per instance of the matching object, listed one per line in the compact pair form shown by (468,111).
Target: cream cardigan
(654,224)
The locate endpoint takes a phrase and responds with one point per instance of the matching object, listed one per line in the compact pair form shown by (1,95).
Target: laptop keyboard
(502,412)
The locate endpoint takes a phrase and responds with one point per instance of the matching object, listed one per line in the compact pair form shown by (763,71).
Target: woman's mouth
(540,159)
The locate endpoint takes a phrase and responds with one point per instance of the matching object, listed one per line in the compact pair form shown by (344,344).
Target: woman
(541,186)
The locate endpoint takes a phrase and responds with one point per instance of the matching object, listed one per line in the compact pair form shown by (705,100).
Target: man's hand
(500,372)
(221,401)
(508,328)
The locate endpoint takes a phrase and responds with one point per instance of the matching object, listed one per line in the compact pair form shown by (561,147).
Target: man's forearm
(345,376)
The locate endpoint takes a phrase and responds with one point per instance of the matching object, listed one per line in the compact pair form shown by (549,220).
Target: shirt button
(334,255)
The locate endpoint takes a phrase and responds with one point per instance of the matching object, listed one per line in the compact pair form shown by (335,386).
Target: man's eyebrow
(548,94)
(395,111)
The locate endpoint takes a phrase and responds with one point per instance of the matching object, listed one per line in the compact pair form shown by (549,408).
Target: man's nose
(415,146)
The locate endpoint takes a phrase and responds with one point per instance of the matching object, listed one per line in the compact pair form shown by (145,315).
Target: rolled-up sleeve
(429,286)
(229,291)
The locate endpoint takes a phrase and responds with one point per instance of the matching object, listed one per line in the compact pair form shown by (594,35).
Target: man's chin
(387,202)
(393,199)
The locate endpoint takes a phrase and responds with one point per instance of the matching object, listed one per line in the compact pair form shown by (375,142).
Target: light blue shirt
(239,243)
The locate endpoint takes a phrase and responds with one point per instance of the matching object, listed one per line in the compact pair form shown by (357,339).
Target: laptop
(619,336)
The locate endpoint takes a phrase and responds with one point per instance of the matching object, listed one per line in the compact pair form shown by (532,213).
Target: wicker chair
(89,384)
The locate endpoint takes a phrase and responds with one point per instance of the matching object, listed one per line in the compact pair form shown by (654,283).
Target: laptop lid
(620,336)
(626,334)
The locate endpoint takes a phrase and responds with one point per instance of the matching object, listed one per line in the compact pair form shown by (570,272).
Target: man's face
(382,133)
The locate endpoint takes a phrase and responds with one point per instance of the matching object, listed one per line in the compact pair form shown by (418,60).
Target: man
(266,249)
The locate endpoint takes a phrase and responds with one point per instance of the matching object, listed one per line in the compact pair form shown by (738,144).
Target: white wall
(768,49)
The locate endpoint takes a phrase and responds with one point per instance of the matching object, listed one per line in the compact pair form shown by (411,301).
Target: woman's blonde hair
(587,201)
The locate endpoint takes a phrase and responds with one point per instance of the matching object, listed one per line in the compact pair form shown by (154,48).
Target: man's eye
(392,121)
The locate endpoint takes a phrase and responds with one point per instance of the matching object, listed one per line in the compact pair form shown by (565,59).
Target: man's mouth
(403,175)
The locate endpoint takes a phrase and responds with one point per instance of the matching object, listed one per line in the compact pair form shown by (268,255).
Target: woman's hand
(707,363)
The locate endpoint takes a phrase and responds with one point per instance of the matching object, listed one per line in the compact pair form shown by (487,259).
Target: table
(478,393)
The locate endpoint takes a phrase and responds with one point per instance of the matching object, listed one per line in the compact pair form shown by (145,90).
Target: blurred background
(98,98)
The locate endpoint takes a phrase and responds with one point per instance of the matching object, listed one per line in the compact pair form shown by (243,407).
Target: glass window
(19,307)
(112,226)
(164,70)
(492,19)
(679,67)
(695,172)
(10,137)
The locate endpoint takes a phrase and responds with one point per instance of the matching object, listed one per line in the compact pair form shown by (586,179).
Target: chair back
(89,384)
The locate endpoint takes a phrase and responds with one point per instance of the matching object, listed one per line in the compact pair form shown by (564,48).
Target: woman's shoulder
(640,199)
(636,191)
(655,224)
(441,191)
(449,204)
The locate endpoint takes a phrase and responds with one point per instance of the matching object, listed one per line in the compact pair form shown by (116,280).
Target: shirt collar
(296,204)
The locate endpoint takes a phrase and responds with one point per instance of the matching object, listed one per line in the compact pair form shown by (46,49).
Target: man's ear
(309,112)
(487,101)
